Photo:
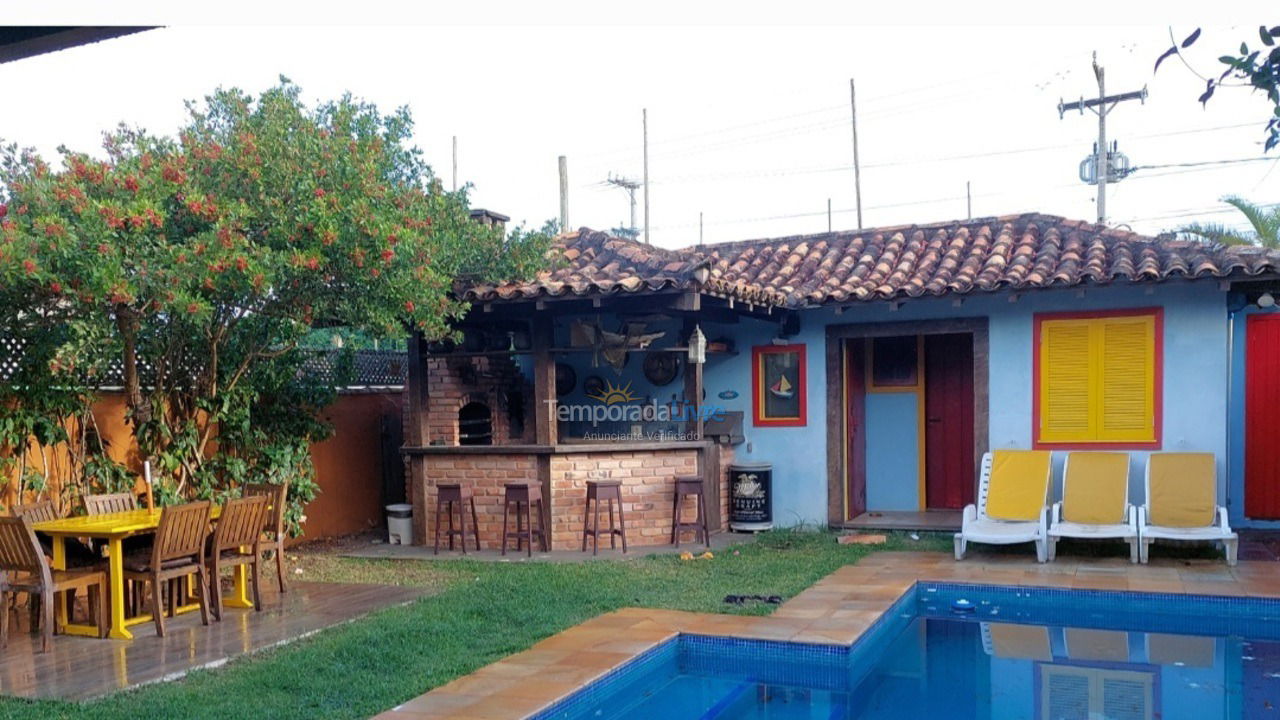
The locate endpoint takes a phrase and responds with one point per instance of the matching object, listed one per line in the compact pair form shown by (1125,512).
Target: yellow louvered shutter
(1097,380)
(1066,409)
(1126,379)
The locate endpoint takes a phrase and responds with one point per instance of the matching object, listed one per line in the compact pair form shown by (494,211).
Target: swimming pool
(1007,653)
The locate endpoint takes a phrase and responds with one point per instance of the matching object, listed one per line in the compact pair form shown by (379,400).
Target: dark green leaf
(1227,60)
(1208,93)
(1163,56)
(1265,35)
(1195,35)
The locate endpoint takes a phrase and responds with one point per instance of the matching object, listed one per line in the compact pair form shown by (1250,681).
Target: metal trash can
(400,524)
(750,496)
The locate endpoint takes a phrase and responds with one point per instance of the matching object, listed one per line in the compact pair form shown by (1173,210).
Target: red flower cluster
(173,174)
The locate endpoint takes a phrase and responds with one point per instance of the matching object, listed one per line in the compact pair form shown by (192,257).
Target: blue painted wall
(893,451)
(1195,379)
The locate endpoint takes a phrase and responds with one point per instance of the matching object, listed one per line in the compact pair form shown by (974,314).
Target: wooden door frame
(837,408)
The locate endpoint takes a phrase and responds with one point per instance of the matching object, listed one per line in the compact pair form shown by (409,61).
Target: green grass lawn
(482,612)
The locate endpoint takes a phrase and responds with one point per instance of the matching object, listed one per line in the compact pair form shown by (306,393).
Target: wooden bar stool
(608,491)
(689,487)
(524,495)
(448,496)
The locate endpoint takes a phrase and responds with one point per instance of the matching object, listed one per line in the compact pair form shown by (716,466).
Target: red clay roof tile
(1013,252)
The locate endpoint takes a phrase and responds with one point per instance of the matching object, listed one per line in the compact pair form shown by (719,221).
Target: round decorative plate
(660,368)
(593,386)
(566,379)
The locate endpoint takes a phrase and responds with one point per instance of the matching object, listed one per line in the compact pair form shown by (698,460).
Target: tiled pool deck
(836,609)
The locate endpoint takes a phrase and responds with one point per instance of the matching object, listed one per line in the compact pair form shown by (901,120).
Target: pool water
(1014,654)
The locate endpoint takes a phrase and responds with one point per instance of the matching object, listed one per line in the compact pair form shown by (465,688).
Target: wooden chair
(237,540)
(109,503)
(274,527)
(78,554)
(178,551)
(105,503)
(38,512)
(23,569)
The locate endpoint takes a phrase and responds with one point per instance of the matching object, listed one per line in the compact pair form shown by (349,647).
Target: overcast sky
(748,125)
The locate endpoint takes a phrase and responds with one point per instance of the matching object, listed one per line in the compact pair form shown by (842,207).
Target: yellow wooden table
(114,528)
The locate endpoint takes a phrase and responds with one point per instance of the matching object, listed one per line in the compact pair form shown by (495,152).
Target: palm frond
(1265,220)
(1213,233)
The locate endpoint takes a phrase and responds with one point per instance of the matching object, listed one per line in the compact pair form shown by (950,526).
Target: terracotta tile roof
(590,262)
(1016,252)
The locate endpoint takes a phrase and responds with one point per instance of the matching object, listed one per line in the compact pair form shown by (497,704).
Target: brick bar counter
(647,471)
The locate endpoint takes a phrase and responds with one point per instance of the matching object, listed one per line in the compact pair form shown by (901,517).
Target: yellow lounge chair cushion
(1096,488)
(1020,642)
(1019,484)
(1189,650)
(1097,645)
(1183,489)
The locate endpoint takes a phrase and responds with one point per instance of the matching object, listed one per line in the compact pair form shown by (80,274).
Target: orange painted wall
(348,464)
(108,412)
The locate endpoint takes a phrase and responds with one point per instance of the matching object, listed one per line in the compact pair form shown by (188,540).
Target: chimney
(489,217)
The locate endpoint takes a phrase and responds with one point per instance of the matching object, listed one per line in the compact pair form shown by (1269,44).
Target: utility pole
(699,228)
(644,119)
(455,163)
(857,169)
(630,186)
(828,214)
(564,194)
(968,200)
(1101,106)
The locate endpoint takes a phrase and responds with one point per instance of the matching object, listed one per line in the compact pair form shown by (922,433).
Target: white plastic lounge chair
(1012,502)
(1182,503)
(1095,501)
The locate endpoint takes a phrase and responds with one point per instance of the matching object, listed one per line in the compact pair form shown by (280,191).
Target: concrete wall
(1194,380)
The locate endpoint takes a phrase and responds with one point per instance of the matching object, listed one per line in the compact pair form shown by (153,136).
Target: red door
(1262,417)
(948,414)
(855,432)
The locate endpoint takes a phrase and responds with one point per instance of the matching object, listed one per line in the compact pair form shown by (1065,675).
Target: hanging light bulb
(1266,300)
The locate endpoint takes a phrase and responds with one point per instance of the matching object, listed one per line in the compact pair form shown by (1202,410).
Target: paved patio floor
(80,668)
(836,609)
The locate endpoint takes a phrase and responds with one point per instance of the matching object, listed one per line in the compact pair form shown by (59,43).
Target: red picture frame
(1157,389)
(762,376)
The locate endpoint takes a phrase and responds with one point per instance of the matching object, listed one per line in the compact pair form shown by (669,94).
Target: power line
(930,201)
(1199,164)
(962,89)
(922,161)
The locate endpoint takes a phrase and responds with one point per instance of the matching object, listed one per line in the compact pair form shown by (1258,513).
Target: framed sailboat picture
(778,385)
